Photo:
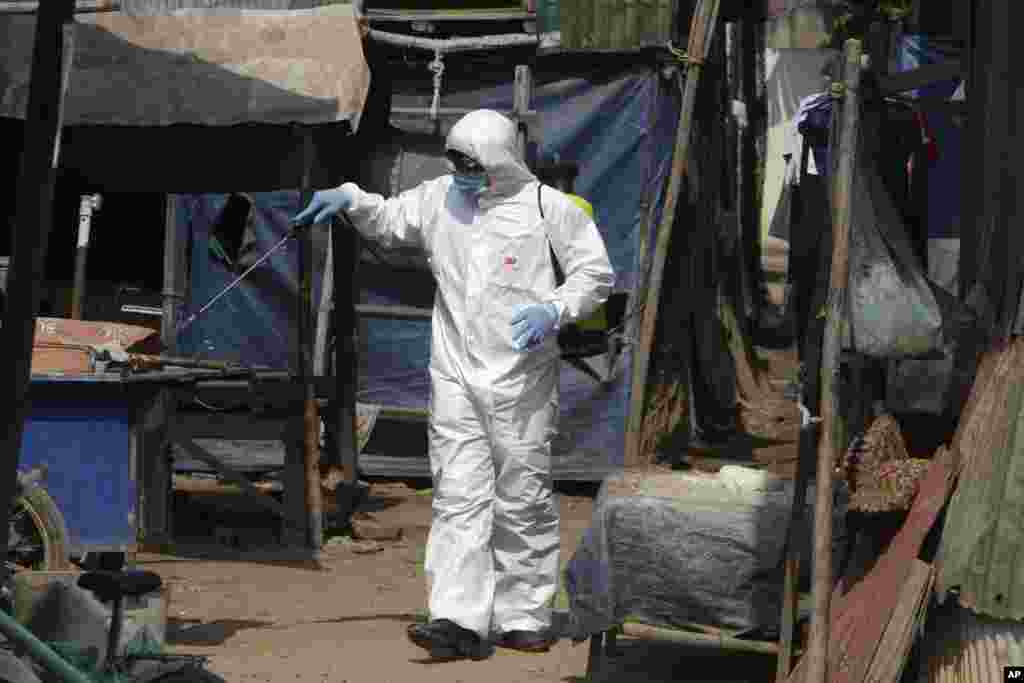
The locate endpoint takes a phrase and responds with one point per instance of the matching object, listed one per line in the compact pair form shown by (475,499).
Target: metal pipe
(88,204)
(40,651)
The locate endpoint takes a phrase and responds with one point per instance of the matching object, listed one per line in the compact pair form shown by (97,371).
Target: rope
(437,68)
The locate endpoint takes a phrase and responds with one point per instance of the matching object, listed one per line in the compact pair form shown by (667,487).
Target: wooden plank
(196,451)
(891,656)
(817,653)
(232,426)
(347,248)
(394,312)
(702,29)
(418,467)
(921,77)
(51,65)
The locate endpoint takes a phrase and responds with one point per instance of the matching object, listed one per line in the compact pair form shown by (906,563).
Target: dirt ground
(344,619)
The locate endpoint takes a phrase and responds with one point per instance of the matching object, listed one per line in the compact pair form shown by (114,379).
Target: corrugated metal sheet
(962,647)
(619,24)
(982,542)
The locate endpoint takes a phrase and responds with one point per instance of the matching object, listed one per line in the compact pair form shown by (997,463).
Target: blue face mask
(470,184)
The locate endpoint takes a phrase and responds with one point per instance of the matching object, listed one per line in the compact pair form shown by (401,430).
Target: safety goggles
(463,164)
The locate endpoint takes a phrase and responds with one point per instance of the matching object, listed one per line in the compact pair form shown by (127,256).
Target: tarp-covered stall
(616,123)
(196,100)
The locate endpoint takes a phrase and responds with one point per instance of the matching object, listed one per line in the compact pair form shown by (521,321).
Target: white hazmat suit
(493,552)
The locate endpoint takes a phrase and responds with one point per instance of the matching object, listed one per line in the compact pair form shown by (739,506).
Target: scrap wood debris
(880,473)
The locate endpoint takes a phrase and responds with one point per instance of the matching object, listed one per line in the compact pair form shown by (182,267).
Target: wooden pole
(347,246)
(817,652)
(521,95)
(804,469)
(52,55)
(175,250)
(310,413)
(156,465)
(702,29)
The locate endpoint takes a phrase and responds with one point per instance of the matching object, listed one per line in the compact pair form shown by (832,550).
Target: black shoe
(525,641)
(446,640)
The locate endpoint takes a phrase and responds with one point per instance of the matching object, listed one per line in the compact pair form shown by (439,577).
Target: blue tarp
(619,129)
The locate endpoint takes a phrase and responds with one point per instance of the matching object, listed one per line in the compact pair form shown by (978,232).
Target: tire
(42,526)
(191,673)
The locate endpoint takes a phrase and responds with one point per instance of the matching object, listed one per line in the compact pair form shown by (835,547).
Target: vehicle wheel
(189,674)
(37,538)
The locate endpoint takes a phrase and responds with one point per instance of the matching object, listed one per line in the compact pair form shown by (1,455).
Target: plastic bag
(892,309)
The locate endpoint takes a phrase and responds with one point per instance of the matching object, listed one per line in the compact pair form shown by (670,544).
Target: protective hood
(490,138)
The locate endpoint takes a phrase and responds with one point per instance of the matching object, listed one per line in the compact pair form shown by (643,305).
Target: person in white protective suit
(493,552)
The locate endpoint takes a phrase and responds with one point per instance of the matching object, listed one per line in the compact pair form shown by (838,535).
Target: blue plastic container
(81,429)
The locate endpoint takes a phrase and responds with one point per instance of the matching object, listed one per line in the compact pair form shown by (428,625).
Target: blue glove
(325,203)
(531,324)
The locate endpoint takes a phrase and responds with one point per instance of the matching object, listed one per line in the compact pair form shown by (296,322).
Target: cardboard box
(49,359)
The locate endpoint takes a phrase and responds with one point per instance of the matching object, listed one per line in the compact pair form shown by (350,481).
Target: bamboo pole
(51,66)
(702,29)
(310,412)
(817,651)
(716,640)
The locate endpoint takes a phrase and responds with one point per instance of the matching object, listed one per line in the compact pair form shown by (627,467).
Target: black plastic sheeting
(619,129)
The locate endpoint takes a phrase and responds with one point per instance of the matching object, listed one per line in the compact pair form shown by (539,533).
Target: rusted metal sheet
(861,616)
(981,543)
(962,647)
(204,67)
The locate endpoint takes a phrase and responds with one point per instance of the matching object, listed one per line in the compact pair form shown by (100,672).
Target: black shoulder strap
(559,275)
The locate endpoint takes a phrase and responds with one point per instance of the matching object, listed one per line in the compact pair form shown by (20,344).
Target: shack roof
(206,67)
